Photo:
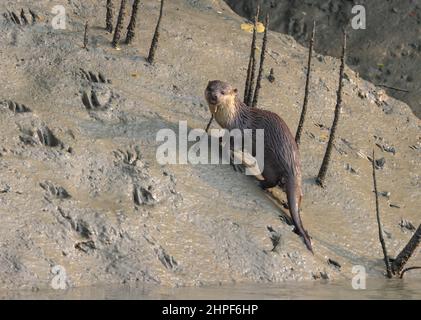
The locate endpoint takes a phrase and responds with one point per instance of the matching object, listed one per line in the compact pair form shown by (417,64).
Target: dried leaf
(260,27)
(249,27)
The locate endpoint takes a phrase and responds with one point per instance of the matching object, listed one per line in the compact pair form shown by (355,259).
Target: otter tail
(291,192)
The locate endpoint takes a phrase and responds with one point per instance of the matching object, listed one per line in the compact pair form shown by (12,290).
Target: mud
(80,186)
(387,52)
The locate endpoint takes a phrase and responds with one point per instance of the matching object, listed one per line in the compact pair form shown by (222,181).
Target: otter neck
(234,114)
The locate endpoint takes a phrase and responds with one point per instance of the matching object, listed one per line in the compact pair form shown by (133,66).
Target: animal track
(167,260)
(142,196)
(86,246)
(87,101)
(275,237)
(97,99)
(15,107)
(131,156)
(93,77)
(47,138)
(43,135)
(52,190)
(22,18)
(146,190)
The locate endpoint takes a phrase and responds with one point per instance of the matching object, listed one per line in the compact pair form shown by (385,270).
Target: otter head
(221,98)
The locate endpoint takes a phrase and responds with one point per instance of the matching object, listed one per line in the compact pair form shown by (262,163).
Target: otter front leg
(236,156)
(271,179)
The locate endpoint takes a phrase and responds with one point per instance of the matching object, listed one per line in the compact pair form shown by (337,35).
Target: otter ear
(235,90)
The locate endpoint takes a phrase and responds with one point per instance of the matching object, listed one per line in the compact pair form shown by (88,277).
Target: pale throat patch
(225,111)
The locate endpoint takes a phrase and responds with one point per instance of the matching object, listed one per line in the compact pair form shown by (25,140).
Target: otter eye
(223,92)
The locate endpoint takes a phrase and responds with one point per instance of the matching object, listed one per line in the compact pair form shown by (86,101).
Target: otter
(282,165)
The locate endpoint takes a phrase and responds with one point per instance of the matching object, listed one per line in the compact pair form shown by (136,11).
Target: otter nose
(211,96)
(214,96)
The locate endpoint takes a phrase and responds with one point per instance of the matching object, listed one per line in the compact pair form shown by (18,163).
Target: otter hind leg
(283,184)
(271,178)
(267,184)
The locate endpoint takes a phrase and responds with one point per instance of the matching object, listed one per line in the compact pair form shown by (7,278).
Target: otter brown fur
(282,165)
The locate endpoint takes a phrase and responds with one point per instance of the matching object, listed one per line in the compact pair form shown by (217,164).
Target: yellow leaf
(260,27)
(248,27)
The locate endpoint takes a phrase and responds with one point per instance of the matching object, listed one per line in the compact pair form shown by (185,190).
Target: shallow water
(375,289)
